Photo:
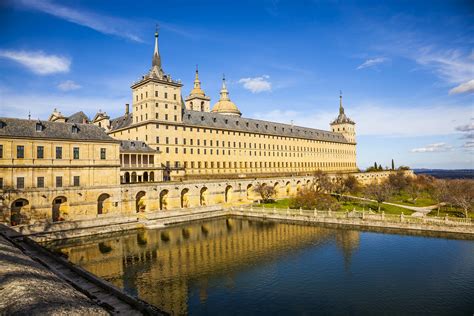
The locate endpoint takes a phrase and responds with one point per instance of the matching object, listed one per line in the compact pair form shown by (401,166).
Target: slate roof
(227,122)
(121,122)
(241,124)
(13,127)
(135,146)
(78,118)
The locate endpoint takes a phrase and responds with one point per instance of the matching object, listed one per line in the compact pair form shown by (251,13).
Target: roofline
(143,81)
(63,139)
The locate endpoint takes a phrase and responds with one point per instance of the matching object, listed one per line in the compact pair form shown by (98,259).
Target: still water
(253,267)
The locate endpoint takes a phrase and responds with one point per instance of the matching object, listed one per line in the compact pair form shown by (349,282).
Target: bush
(310,199)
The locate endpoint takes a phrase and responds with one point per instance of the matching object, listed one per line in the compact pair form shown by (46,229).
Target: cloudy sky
(405,68)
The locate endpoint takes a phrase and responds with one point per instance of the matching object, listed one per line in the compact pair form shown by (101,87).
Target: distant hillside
(447,174)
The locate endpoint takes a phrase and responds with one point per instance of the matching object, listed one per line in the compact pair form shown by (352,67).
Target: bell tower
(344,125)
(197,100)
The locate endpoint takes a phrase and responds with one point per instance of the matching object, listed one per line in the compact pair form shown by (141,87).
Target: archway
(140,203)
(185,198)
(308,184)
(276,187)
(298,186)
(127,177)
(152,176)
(288,188)
(164,200)
(134,177)
(145,176)
(103,203)
(17,217)
(60,208)
(228,194)
(203,196)
(249,192)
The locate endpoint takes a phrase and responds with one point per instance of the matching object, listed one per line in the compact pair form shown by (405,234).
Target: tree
(438,190)
(266,192)
(322,182)
(375,165)
(379,192)
(398,181)
(352,184)
(393,165)
(310,199)
(462,194)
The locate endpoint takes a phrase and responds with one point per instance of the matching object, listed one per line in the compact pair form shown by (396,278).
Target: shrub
(310,199)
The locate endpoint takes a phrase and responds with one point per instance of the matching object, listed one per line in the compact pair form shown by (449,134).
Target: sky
(405,68)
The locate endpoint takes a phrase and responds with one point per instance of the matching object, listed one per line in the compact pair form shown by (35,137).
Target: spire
(341,108)
(224,93)
(197,82)
(156,61)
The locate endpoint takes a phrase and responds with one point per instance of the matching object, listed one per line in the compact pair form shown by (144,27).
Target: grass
(405,199)
(451,212)
(347,206)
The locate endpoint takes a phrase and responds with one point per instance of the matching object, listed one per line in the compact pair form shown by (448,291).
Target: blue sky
(406,68)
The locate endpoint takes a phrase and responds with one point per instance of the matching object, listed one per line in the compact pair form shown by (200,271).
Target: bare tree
(266,192)
(379,192)
(462,194)
(438,190)
(321,182)
(399,181)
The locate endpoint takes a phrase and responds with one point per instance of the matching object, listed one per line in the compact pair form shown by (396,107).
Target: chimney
(127,108)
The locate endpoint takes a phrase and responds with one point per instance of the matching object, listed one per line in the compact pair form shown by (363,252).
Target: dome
(225,105)
(197,86)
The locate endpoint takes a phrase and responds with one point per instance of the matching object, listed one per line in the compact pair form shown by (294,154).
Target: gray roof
(135,146)
(121,121)
(13,127)
(228,122)
(78,118)
(248,125)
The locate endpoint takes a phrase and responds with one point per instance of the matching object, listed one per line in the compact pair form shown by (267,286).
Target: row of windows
(156,95)
(20,182)
(259,164)
(20,152)
(157,117)
(156,106)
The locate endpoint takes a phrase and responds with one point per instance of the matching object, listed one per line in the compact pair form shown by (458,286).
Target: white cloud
(432,148)
(373,62)
(257,84)
(466,87)
(469,145)
(100,23)
(38,62)
(68,85)
(466,128)
(381,120)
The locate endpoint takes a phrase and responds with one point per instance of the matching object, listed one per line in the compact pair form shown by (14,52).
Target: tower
(225,106)
(344,125)
(156,96)
(197,99)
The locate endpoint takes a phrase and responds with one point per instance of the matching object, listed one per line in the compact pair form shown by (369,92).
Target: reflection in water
(158,265)
(234,265)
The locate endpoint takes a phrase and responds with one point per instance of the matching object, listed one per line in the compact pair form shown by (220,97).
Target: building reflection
(163,266)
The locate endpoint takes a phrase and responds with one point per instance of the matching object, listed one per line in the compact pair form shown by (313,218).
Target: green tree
(393,164)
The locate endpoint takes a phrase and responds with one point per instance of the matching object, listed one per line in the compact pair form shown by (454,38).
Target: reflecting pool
(256,267)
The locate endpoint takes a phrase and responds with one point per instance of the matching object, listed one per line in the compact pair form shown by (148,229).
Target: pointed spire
(341,108)
(224,93)
(156,61)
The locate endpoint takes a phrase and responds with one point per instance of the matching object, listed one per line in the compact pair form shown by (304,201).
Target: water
(253,267)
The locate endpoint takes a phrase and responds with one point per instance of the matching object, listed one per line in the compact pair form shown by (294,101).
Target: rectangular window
(40,182)
(20,151)
(1,183)
(59,182)
(20,183)
(76,152)
(59,153)
(102,153)
(175,96)
(76,181)
(166,95)
(40,152)
(1,151)
(166,117)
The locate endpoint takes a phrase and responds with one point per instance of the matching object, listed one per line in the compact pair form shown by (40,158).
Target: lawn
(403,198)
(451,212)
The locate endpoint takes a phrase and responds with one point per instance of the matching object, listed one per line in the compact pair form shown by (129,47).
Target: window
(1,151)
(59,182)
(39,127)
(20,182)
(75,129)
(174,96)
(40,182)
(102,153)
(157,139)
(166,117)
(166,95)
(40,152)
(76,152)
(76,181)
(1,183)
(20,151)
(59,153)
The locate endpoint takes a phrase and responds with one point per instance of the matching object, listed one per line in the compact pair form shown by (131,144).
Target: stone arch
(164,200)
(152,176)
(18,211)
(249,191)
(185,198)
(133,177)
(203,196)
(228,194)
(140,202)
(127,177)
(103,203)
(276,186)
(145,176)
(60,208)
(288,188)
(298,186)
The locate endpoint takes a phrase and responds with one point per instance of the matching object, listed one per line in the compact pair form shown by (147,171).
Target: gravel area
(28,288)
